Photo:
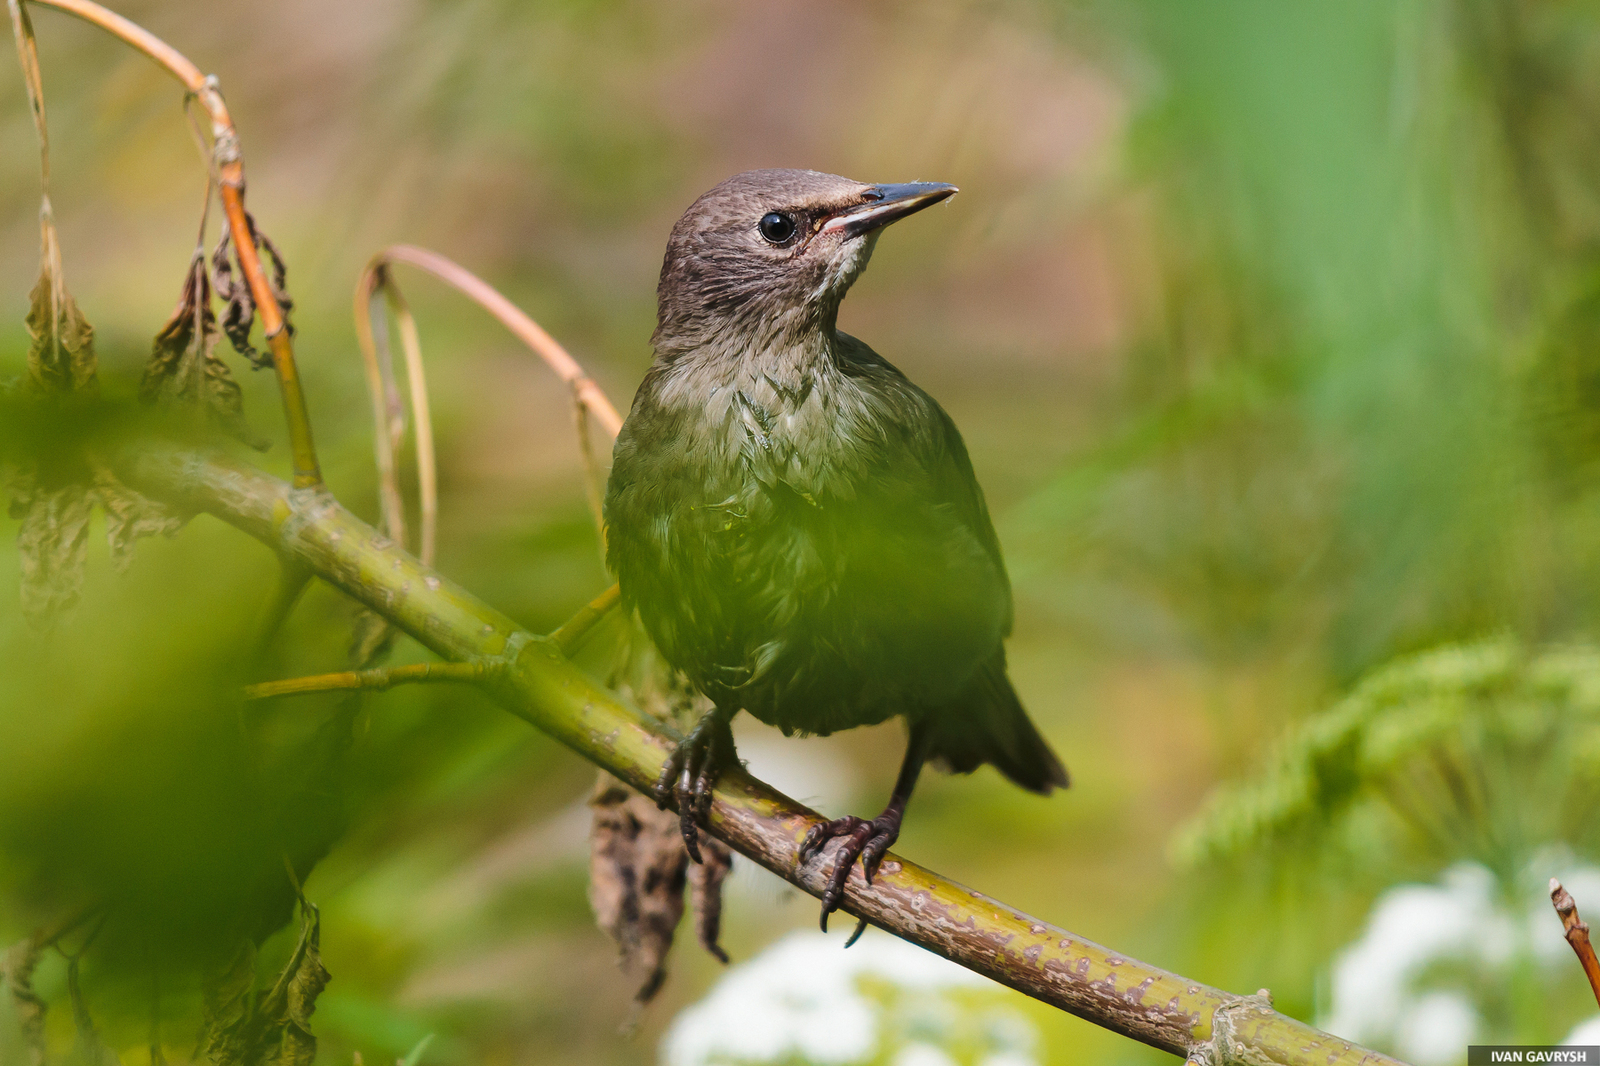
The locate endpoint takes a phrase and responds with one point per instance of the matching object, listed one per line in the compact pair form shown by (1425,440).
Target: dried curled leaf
(52,544)
(61,357)
(130,515)
(638,865)
(184,363)
(705,890)
(274,1029)
(234,291)
(19,964)
(225,1006)
(285,1012)
(54,496)
(53,539)
(637,872)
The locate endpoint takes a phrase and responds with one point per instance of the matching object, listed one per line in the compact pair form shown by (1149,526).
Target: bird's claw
(859,839)
(690,775)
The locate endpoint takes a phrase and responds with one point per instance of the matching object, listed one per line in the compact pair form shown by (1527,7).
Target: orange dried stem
(230,173)
(513,318)
(140,38)
(370,680)
(1577,932)
(593,481)
(307,474)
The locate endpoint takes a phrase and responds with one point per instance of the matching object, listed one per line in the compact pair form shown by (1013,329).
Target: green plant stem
(375,680)
(538,684)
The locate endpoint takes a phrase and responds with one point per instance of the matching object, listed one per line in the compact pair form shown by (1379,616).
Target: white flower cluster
(1387,986)
(883,1002)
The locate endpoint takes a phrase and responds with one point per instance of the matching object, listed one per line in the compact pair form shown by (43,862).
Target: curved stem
(517,321)
(141,39)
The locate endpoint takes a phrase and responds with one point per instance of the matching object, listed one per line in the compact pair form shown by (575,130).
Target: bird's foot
(858,839)
(691,773)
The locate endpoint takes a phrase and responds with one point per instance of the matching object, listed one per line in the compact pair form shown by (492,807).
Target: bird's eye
(776,228)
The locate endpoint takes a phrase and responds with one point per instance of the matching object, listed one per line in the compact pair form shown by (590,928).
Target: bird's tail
(988,725)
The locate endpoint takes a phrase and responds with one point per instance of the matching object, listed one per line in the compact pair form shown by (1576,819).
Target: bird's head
(772,252)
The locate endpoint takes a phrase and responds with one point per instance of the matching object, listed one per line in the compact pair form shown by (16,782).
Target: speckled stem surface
(539,685)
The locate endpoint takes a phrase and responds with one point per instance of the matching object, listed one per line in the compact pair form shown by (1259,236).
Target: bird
(797,526)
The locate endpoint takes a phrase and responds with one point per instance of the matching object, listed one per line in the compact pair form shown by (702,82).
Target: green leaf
(1477,750)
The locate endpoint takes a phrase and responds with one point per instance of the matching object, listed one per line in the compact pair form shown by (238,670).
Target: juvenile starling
(797,524)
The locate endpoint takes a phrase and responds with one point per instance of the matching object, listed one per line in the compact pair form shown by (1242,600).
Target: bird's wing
(936,443)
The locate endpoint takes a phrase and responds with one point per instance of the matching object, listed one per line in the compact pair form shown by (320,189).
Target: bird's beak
(884,204)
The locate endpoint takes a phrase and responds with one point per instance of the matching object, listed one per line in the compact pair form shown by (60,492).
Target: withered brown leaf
(234,291)
(638,865)
(273,1029)
(18,966)
(705,891)
(52,544)
(54,496)
(61,357)
(637,871)
(225,1006)
(184,363)
(53,538)
(285,1012)
(130,515)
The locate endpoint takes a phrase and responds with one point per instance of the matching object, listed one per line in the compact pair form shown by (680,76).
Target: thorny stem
(230,176)
(375,680)
(1577,932)
(538,684)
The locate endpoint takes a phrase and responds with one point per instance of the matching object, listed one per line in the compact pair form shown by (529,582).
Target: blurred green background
(1272,329)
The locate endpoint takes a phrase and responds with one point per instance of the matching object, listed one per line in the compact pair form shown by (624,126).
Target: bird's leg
(863,839)
(691,773)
